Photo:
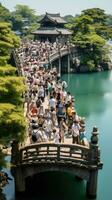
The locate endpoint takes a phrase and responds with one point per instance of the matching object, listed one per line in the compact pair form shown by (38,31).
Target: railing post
(60,65)
(15,154)
(58,153)
(94,164)
(68,59)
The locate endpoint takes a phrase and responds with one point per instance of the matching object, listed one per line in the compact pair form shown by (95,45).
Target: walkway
(56,139)
(46,99)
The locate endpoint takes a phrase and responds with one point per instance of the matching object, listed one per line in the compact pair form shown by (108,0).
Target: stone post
(94,159)
(68,59)
(59,64)
(68,63)
(17,168)
(15,158)
(19,180)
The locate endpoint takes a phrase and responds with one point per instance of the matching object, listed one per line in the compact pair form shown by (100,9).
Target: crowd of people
(49,107)
(37,53)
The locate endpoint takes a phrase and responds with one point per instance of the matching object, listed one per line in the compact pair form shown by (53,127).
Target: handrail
(45,152)
(63,51)
(44,144)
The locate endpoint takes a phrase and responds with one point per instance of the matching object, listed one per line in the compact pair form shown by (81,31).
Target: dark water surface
(93,100)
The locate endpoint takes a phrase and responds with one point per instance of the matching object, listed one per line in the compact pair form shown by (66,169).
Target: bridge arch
(69,53)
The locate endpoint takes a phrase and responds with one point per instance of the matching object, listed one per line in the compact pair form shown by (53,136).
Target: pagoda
(52,29)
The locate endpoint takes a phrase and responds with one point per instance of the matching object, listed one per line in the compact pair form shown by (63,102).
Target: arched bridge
(62,52)
(83,162)
(70,52)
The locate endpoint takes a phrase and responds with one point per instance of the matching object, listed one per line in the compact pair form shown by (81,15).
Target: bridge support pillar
(19,181)
(94,160)
(60,66)
(91,187)
(68,63)
(51,65)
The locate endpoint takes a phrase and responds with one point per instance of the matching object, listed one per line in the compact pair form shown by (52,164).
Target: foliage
(10,89)
(2,159)
(4,14)
(7,70)
(98,15)
(12,122)
(12,125)
(109,20)
(8,41)
(90,34)
(24,19)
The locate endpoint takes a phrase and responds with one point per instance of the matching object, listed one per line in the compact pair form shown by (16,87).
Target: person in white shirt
(75,132)
(52,103)
(56,136)
(48,127)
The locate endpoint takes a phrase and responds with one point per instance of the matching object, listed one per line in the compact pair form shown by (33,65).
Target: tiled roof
(59,20)
(55,18)
(45,32)
(64,31)
(48,31)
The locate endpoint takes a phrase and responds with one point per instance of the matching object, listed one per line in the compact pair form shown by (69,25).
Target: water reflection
(52,185)
(56,185)
(93,95)
(90,91)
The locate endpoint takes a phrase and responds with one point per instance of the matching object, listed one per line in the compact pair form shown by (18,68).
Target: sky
(65,7)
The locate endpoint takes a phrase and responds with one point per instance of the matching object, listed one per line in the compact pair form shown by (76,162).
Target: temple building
(52,29)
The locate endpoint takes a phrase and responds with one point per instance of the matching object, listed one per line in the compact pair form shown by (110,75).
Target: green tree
(24,19)
(109,20)
(12,122)
(5,14)
(90,34)
(8,41)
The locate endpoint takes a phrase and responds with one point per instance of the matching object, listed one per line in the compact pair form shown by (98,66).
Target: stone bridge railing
(82,161)
(59,53)
(46,152)
(70,52)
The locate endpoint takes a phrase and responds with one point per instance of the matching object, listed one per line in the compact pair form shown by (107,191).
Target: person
(53,117)
(40,120)
(48,127)
(41,93)
(56,136)
(38,102)
(36,136)
(82,137)
(33,109)
(62,127)
(64,84)
(75,132)
(60,112)
(70,110)
(52,103)
(69,97)
(75,116)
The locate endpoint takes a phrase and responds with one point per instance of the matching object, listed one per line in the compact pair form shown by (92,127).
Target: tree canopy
(24,19)
(8,41)
(4,14)
(90,34)
(12,122)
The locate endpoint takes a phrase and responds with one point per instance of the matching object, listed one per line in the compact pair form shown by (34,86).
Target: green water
(93,100)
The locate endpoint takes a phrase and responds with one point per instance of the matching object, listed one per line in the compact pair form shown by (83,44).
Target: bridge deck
(67,140)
